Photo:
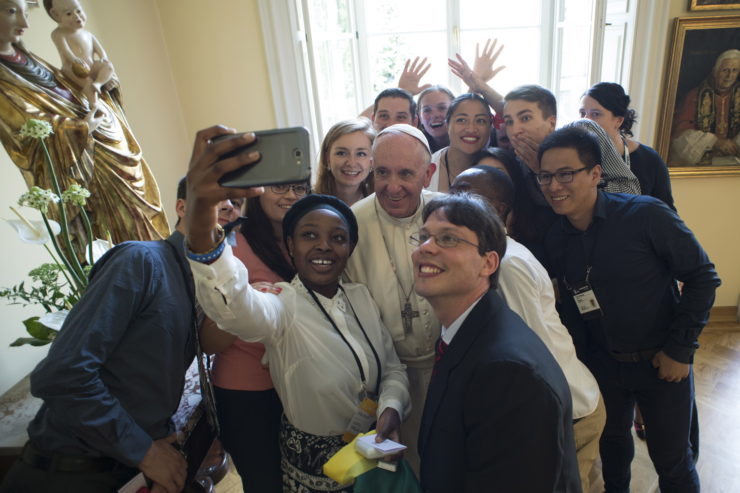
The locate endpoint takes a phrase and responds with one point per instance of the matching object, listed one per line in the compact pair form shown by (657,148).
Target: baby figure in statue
(84,60)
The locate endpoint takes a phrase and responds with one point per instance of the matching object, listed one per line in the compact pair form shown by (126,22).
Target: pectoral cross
(408,316)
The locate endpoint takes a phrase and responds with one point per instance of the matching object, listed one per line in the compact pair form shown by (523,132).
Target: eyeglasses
(298,190)
(443,240)
(236,203)
(545,178)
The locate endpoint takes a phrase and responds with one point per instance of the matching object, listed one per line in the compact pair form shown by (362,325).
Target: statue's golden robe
(125,198)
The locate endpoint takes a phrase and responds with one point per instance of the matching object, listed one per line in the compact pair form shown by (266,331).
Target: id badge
(363,418)
(586,301)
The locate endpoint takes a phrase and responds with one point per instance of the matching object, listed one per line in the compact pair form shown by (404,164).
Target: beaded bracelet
(212,254)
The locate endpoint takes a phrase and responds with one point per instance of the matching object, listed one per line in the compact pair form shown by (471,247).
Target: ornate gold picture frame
(699,129)
(713,4)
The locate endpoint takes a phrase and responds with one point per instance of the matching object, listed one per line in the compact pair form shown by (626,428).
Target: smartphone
(284,158)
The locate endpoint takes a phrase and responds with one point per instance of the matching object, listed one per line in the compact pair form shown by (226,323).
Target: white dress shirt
(527,290)
(314,371)
(448,333)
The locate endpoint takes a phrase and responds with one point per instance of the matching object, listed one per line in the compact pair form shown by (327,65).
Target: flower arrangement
(58,285)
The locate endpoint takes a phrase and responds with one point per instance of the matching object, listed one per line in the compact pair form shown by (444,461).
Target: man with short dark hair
(616,258)
(392,106)
(530,115)
(498,410)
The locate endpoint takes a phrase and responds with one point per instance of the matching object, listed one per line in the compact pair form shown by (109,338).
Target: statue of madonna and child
(92,144)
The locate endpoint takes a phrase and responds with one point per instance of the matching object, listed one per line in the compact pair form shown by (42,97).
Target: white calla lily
(54,320)
(34,232)
(99,247)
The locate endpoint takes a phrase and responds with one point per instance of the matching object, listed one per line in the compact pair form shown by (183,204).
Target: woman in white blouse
(331,358)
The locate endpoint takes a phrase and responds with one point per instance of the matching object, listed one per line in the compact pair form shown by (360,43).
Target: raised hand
(204,192)
(468,76)
(484,63)
(412,74)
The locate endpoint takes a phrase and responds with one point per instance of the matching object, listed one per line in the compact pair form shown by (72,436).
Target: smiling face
(13,22)
(469,127)
(320,246)
(402,170)
(451,277)
(391,111)
(523,117)
(575,200)
(726,74)
(69,14)
(432,111)
(229,210)
(349,159)
(275,205)
(592,109)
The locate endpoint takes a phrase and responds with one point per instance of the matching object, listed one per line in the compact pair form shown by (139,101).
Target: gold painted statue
(91,146)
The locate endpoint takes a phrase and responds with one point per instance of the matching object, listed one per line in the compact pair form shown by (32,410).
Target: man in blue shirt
(617,258)
(114,376)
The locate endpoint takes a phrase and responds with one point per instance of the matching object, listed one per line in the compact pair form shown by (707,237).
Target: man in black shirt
(616,258)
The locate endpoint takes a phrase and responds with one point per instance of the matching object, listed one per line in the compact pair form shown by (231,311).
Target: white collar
(398,221)
(449,332)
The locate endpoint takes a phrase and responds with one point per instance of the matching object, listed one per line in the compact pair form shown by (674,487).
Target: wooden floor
(717,379)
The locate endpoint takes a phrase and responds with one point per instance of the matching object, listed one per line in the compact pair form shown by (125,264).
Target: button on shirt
(637,247)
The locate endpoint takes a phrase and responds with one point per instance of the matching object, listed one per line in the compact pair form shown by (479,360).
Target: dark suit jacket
(498,412)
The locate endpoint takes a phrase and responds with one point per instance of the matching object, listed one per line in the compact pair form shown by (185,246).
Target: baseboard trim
(723,318)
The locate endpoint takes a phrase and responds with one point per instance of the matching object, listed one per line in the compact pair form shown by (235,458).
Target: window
(356,48)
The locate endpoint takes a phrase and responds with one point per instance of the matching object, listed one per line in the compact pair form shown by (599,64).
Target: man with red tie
(498,410)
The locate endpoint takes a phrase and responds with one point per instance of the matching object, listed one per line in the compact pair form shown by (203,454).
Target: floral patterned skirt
(303,456)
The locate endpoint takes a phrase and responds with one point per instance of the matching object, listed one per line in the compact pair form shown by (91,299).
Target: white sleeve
(519,289)
(224,293)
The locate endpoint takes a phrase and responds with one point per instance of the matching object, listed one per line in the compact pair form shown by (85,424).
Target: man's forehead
(561,159)
(398,143)
(519,106)
(730,63)
(390,103)
(437,222)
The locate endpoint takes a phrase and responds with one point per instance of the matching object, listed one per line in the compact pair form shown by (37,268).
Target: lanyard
(589,255)
(626,153)
(357,358)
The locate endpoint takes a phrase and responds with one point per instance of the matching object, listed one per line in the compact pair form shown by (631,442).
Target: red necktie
(441,348)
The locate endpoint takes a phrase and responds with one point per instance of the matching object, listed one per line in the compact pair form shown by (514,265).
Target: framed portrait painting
(699,129)
(713,4)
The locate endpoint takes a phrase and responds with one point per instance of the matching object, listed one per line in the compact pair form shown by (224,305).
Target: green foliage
(47,288)
(40,334)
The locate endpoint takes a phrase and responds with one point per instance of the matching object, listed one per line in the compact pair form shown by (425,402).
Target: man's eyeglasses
(443,240)
(544,178)
(298,190)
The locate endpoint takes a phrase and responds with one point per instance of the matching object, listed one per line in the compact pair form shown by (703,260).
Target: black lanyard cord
(357,358)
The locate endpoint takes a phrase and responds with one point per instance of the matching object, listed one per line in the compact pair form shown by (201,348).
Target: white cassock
(384,243)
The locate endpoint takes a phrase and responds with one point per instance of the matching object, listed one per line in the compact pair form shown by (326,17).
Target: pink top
(238,366)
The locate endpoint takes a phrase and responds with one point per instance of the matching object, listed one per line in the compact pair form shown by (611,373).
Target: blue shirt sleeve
(674,242)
